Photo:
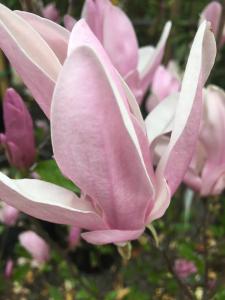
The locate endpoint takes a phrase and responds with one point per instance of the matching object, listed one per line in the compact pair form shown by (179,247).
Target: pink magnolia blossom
(164,83)
(101,143)
(35,245)
(116,33)
(51,12)
(74,236)
(206,173)
(9,268)
(8,214)
(213,13)
(18,138)
(184,268)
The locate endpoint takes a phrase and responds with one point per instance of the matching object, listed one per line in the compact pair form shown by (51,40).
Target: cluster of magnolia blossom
(90,83)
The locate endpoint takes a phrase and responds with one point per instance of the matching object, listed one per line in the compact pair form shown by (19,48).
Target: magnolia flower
(35,245)
(116,33)
(8,268)
(100,142)
(184,268)
(8,214)
(213,13)
(206,173)
(51,12)
(164,83)
(18,138)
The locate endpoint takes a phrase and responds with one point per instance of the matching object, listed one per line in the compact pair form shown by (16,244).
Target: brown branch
(205,242)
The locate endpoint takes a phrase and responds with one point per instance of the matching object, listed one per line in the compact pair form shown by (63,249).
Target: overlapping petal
(100,149)
(30,55)
(49,202)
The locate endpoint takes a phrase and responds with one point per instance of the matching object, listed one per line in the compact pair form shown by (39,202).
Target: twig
(205,242)
(180,282)
(184,287)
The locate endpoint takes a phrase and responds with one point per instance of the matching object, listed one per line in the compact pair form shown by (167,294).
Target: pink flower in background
(164,83)
(184,268)
(69,22)
(137,66)
(8,214)
(9,268)
(18,138)
(51,12)
(207,170)
(101,142)
(74,236)
(213,13)
(35,245)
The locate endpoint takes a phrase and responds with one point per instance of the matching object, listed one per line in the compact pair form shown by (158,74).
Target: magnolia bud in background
(18,138)
(35,245)
(51,12)
(8,214)
(184,268)
(9,268)
(164,83)
(69,22)
(74,236)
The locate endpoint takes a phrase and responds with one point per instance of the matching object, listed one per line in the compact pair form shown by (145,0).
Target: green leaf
(55,294)
(49,171)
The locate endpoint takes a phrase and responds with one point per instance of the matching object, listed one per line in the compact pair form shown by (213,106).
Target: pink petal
(122,45)
(149,60)
(35,245)
(8,214)
(101,237)
(51,12)
(19,131)
(164,83)
(30,55)
(49,202)
(213,136)
(105,159)
(74,236)
(212,13)
(56,36)
(176,159)
(69,22)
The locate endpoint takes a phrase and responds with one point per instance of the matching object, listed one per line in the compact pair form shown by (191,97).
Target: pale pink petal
(122,45)
(55,35)
(93,12)
(105,158)
(49,202)
(164,83)
(102,237)
(176,159)
(30,55)
(212,137)
(149,64)
(35,245)
(161,119)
